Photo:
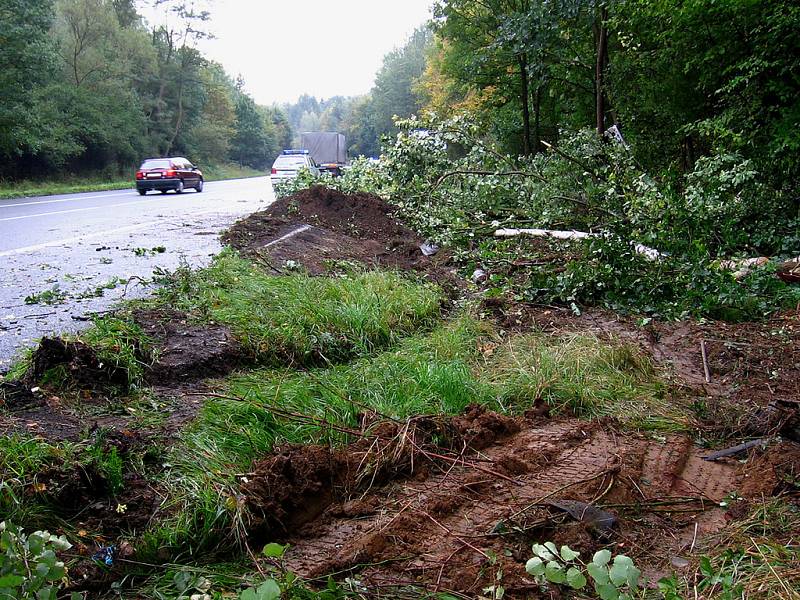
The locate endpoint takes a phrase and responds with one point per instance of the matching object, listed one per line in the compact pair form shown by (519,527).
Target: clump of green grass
(120,344)
(302,320)
(584,376)
(22,459)
(439,372)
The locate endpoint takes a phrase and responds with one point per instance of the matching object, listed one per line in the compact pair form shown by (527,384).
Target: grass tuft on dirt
(581,374)
(300,320)
(460,363)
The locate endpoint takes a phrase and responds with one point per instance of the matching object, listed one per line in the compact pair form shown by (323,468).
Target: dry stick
(468,464)
(706,370)
(460,539)
(441,569)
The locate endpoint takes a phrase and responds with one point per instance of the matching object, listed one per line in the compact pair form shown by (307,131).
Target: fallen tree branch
(646,251)
(487,173)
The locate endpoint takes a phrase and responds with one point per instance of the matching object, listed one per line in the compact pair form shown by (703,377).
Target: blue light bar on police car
(289,152)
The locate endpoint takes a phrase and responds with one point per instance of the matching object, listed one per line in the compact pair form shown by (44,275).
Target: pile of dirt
(318,227)
(437,521)
(81,365)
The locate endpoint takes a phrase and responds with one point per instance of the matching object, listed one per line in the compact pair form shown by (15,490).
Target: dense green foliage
(87,86)
(604,117)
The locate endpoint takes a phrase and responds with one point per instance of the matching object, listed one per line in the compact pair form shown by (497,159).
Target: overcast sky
(284,48)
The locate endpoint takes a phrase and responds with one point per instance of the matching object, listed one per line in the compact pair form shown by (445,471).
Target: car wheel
(163,191)
(179,187)
(199,186)
(142,192)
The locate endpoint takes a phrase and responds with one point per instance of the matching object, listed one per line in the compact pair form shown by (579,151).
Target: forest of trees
(679,79)
(366,119)
(87,86)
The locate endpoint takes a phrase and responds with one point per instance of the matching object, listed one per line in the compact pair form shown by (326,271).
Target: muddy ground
(437,516)
(396,509)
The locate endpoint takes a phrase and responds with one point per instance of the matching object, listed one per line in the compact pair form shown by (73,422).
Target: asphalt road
(71,255)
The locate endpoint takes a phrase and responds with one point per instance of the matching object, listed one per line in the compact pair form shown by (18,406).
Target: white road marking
(120,193)
(74,210)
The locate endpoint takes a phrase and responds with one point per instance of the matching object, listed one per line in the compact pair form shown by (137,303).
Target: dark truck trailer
(328,149)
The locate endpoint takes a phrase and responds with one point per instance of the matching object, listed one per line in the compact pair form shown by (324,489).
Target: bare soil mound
(319,226)
(436,520)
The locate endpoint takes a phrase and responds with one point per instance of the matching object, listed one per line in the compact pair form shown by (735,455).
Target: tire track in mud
(448,515)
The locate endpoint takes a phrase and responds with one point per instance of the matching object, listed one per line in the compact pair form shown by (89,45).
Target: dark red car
(164,174)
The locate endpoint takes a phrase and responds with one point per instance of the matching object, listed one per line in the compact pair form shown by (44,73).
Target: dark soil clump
(81,365)
(185,351)
(319,228)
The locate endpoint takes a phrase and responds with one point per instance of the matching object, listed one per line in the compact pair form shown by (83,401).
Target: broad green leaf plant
(29,565)
(612,580)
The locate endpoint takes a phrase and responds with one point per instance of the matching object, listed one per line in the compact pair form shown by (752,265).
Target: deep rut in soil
(449,514)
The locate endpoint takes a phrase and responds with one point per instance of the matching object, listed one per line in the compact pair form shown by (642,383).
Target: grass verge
(300,320)
(439,372)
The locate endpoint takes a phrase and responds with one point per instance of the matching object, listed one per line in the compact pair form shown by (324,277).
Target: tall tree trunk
(600,71)
(525,100)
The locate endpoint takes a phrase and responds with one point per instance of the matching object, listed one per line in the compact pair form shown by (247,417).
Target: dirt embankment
(399,510)
(318,227)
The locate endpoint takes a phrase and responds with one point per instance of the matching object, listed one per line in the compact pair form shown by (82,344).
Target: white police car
(290,162)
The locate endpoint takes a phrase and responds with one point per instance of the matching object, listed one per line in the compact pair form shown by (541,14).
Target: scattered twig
(460,539)
(703,352)
(557,490)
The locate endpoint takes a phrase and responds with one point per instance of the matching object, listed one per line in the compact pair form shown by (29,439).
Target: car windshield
(156,164)
(290,162)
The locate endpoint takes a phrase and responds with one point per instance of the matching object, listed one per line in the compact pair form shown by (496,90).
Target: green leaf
(248,594)
(618,574)
(634,575)
(535,566)
(554,572)
(57,572)
(274,550)
(552,547)
(269,590)
(606,591)
(575,579)
(601,557)
(568,554)
(10,581)
(542,552)
(599,574)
